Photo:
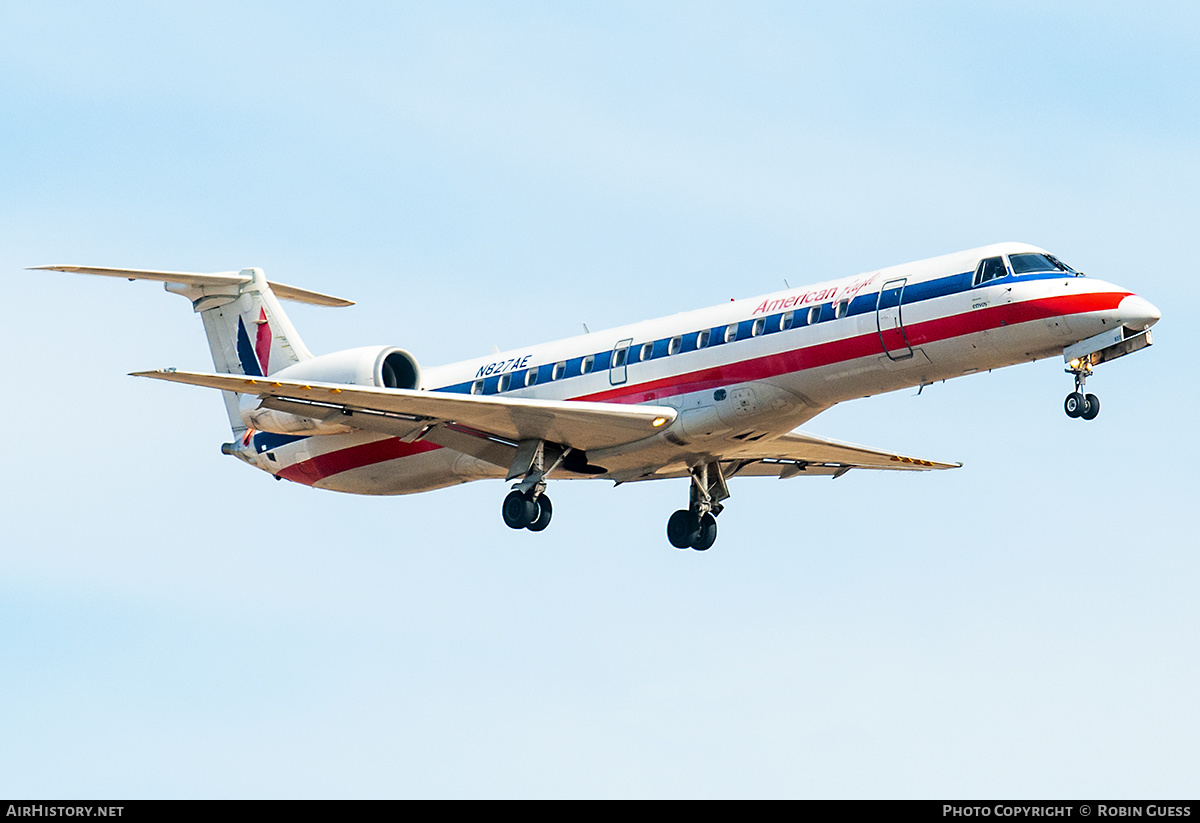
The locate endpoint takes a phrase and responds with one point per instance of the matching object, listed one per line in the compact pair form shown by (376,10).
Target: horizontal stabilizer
(225,278)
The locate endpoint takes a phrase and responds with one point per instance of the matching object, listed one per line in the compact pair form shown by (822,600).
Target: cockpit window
(1037,263)
(989,269)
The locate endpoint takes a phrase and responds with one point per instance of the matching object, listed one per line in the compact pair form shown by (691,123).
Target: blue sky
(173,624)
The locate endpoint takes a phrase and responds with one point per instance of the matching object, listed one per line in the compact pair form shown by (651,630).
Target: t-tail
(248,331)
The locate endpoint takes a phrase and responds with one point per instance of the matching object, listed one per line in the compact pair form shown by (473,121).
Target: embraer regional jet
(707,395)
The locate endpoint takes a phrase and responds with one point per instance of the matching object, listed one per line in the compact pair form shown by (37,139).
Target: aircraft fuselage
(750,370)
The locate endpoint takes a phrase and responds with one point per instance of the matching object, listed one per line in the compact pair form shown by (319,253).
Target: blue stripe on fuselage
(265,441)
(862,304)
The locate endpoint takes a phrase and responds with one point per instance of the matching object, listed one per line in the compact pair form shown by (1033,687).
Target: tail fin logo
(262,341)
(255,359)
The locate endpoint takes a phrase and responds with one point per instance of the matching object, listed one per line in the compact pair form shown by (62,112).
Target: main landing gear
(528,506)
(696,526)
(1077,403)
(523,510)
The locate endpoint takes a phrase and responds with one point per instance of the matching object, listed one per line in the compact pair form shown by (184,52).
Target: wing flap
(579,425)
(796,454)
(797,447)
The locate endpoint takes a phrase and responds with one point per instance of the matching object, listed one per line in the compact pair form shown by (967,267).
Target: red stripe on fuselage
(318,468)
(864,345)
(824,354)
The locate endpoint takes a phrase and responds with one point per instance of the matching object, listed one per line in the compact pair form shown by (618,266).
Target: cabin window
(588,364)
(530,377)
(645,352)
(675,345)
(814,315)
(989,268)
(841,309)
(477,387)
(785,320)
(505,382)
(758,326)
(731,332)
(703,338)
(619,357)
(558,371)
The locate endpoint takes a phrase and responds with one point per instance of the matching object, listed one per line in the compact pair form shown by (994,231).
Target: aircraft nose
(1138,312)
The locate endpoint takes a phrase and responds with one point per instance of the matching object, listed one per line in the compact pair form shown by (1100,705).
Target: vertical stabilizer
(248,331)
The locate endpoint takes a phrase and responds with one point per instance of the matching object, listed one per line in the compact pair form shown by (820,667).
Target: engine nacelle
(380,366)
(385,367)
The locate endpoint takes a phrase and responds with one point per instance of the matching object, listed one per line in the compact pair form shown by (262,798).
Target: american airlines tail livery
(707,395)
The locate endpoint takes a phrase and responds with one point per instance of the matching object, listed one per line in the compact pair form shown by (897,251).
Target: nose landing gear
(1077,403)
(1082,405)
(1085,355)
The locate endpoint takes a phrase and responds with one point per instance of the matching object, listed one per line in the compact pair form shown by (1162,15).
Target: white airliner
(708,394)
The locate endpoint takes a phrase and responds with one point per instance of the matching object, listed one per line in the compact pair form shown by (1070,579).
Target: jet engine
(384,367)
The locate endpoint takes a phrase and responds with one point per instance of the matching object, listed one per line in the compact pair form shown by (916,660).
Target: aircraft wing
(800,454)
(488,427)
(491,428)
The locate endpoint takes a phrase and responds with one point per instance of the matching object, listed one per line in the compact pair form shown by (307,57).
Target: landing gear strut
(696,526)
(1077,403)
(528,506)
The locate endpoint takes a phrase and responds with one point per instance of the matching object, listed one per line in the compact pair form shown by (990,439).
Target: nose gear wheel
(1079,404)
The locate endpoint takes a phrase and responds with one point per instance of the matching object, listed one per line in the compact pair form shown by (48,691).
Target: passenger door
(618,370)
(889,320)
